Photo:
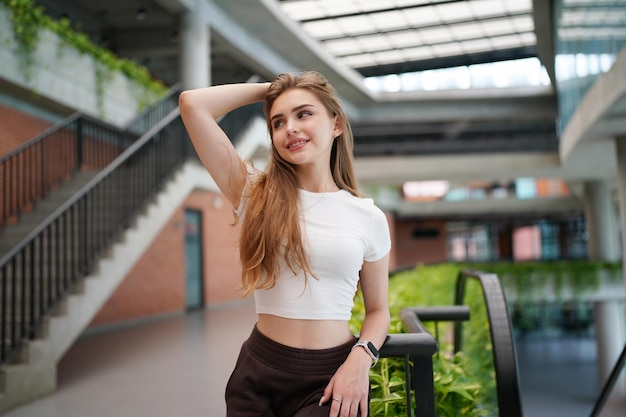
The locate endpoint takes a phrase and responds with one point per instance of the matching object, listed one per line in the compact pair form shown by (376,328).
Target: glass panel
(398,31)
(588,37)
(343,47)
(374,43)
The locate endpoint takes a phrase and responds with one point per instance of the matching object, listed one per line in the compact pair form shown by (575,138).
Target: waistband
(308,361)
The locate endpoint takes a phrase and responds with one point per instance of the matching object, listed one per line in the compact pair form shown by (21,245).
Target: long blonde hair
(271,228)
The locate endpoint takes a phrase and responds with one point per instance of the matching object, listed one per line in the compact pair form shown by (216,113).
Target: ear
(338,128)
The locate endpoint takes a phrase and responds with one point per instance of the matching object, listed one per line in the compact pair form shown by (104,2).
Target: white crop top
(340,232)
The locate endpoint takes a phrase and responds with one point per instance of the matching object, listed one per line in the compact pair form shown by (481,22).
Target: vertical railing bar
(57,268)
(407,379)
(3,314)
(5,188)
(12,196)
(46,261)
(23,308)
(69,245)
(19,188)
(42,283)
(79,143)
(14,322)
(32,290)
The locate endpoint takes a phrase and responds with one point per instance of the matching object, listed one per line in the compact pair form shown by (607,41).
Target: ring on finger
(337,399)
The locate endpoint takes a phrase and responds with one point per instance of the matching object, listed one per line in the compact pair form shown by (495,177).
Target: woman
(307,239)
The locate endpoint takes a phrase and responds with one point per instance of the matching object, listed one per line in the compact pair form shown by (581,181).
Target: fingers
(343,408)
(328,392)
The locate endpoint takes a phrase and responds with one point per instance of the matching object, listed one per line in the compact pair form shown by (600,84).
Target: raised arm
(200,109)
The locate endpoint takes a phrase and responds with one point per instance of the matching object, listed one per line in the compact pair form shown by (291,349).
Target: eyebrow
(295,109)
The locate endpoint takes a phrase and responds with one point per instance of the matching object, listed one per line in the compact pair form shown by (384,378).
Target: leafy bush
(463,381)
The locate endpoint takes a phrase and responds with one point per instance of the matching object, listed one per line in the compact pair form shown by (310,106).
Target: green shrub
(461,383)
(465,382)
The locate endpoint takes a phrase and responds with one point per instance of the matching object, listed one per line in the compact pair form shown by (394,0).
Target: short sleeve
(380,239)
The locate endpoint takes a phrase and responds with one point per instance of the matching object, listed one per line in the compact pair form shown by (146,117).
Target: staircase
(56,232)
(65,257)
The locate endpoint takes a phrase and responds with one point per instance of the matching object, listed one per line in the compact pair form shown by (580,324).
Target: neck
(317,182)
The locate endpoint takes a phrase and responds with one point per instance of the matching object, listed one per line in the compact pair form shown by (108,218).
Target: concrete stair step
(12,234)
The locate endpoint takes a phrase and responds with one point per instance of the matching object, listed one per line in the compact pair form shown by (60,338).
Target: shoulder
(363,203)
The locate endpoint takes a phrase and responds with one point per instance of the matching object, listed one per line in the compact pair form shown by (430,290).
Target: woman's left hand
(348,389)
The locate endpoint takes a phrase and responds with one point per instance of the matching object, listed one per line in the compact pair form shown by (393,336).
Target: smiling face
(302,129)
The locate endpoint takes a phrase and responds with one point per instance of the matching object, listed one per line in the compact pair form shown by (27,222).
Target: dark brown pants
(273,380)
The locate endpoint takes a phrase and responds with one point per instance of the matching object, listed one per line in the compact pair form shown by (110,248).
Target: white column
(610,339)
(195,48)
(601,221)
(610,316)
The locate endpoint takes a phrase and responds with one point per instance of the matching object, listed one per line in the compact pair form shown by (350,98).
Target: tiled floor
(178,367)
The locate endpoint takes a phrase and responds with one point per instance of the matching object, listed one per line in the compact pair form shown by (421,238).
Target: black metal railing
(29,172)
(417,348)
(151,115)
(235,122)
(36,274)
(610,384)
(500,328)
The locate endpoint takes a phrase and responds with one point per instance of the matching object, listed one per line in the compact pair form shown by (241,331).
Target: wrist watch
(370,349)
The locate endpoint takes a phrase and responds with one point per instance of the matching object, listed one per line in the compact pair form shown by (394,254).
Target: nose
(291,127)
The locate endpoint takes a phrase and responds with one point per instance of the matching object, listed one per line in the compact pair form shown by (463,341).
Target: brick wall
(17,127)
(222,269)
(156,285)
(419,242)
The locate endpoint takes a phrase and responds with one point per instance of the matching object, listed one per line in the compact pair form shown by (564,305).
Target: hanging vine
(27,20)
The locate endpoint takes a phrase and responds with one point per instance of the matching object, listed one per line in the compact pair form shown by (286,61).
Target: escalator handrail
(504,356)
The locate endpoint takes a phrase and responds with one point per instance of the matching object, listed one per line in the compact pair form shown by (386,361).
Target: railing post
(79,143)
(423,385)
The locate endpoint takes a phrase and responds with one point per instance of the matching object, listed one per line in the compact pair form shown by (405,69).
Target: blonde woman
(308,239)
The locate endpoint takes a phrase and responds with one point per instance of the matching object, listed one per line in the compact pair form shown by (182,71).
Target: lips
(296,144)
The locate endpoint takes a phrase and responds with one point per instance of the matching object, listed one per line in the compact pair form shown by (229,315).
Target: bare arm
(200,109)
(375,287)
(350,382)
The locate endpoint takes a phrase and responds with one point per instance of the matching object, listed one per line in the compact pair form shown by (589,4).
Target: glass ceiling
(397,36)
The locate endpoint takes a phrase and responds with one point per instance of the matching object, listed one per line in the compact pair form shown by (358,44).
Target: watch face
(373,349)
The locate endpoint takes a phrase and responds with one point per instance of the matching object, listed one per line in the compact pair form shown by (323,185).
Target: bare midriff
(305,334)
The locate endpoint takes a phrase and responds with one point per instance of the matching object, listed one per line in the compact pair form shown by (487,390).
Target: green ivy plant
(456,385)
(575,277)
(28,20)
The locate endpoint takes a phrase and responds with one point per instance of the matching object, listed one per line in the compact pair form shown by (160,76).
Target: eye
(304,113)
(277,123)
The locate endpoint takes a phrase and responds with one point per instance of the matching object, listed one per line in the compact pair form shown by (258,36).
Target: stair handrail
(500,329)
(21,166)
(89,186)
(609,385)
(151,115)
